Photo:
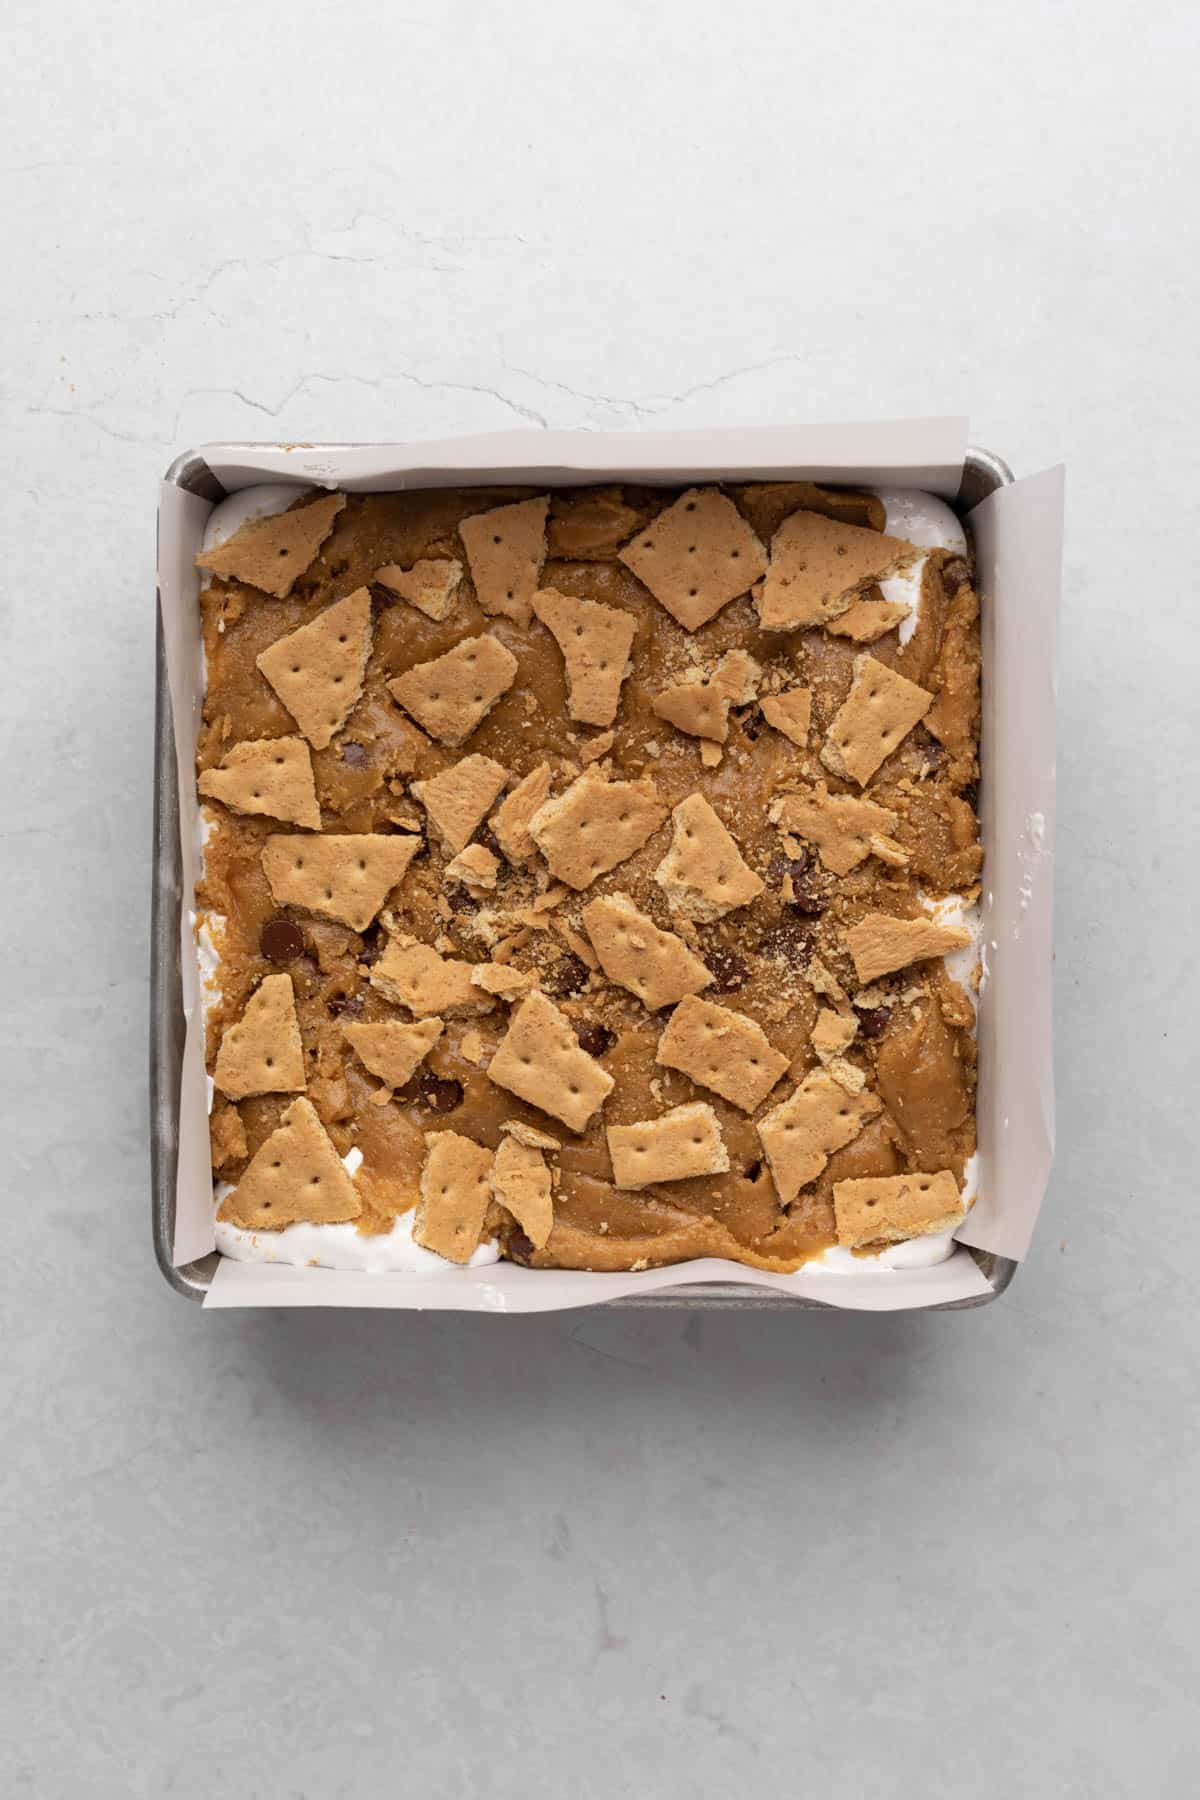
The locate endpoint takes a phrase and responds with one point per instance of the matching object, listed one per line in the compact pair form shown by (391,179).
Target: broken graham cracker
(430,585)
(880,944)
(842,827)
(318,670)
(510,823)
(272,553)
(506,548)
(226,1135)
(800,1134)
(790,713)
(833,1033)
(521,1181)
(430,985)
(865,621)
(262,1053)
(458,799)
(597,747)
(701,708)
(655,965)
(450,695)
(454,1196)
(702,874)
(722,1050)
(504,982)
(595,642)
(344,878)
(877,714)
(696,556)
(818,566)
(891,1208)
(272,776)
(529,1134)
(391,1049)
(295,1174)
(682,1144)
(595,825)
(540,1060)
(475,868)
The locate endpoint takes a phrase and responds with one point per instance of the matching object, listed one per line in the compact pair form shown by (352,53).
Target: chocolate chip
(568,976)
(459,901)
(519,1247)
(971,795)
(781,864)
(806,901)
(354,755)
(788,942)
(727,970)
(280,940)
(488,839)
(872,1020)
(752,1171)
(439,1096)
(374,943)
(381,598)
(350,1005)
(594,1037)
(750,720)
(955,575)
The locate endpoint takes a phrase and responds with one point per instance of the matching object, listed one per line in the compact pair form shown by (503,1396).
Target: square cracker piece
(681,1145)
(703,874)
(347,878)
(842,827)
(272,776)
(318,669)
(455,1193)
(428,984)
(540,1060)
(295,1174)
(881,944)
(595,642)
(451,695)
(877,714)
(595,825)
(431,585)
(819,566)
(891,1208)
(722,1050)
(390,1049)
(506,548)
(262,1053)
(521,1181)
(696,556)
(655,965)
(458,799)
(511,821)
(271,554)
(800,1134)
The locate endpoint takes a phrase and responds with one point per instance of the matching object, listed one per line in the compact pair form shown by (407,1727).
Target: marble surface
(603,1554)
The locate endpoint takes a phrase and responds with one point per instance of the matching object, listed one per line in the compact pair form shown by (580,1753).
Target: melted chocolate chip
(460,901)
(488,839)
(872,1020)
(594,1037)
(381,598)
(439,1096)
(354,756)
(751,722)
(727,970)
(932,753)
(971,795)
(348,1005)
(519,1247)
(781,864)
(374,942)
(752,1171)
(280,940)
(788,942)
(806,901)
(569,976)
(955,575)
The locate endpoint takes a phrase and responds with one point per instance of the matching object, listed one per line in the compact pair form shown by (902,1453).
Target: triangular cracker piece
(790,713)
(818,566)
(801,1134)
(296,1174)
(262,1053)
(521,1181)
(877,714)
(864,621)
(475,867)
(344,878)
(594,826)
(459,798)
(655,965)
(273,776)
(511,821)
(701,708)
(272,553)
(452,694)
(843,828)
(430,585)
(506,548)
(455,1194)
(318,670)
(702,874)
(539,1060)
(880,944)
(393,1050)
(595,641)
(683,1144)
(893,1208)
(696,556)
(429,985)
(722,1050)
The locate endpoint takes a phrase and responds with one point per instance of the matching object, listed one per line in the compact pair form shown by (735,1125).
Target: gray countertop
(674,1554)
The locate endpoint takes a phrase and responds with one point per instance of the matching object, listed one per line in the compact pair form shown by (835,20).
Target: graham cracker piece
(318,670)
(511,821)
(273,776)
(864,621)
(345,878)
(595,642)
(393,1050)
(702,874)
(499,979)
(791,713)
(455,1194)
(800,1134)
(594,826)
(597,747)
(529,1134)
(877,714)
(458,799)
(295,1174)
(452,694)
(833,1033)
(262,1053)
(696,556)
(819,565)
(881,944)
(431,986)
(506,548)
(722,1050)
(710,754)
(655,965)
(701,708)
(841,826)
(226,1134)
(890,1208)
(475,867)
(521,1181)
(270,554)
(431,585)
(540,1060)
(680,1145)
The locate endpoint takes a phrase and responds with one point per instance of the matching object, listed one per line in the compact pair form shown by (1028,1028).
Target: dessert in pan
(589,878)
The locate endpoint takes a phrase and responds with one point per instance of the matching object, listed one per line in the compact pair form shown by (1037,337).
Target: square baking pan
(983,474)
